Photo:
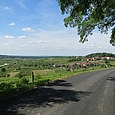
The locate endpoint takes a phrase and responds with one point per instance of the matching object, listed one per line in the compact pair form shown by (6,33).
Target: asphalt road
(86,94)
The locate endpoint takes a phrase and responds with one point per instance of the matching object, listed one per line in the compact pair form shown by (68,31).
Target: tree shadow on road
(60,83)
(111,78)
(13,112)
(41,97)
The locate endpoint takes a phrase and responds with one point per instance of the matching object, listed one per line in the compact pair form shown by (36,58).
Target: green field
(16,73)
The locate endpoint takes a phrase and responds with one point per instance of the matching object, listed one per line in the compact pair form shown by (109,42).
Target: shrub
(24,73)
(22,83)
(25,80)
(103,65)
(3,70)
(8,75)
(6,86)
(20,75)
(21,86)
(37,77)
(2,74)
(18,84)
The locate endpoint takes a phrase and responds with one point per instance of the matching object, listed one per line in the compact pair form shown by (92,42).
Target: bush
(24,73)
(18,84)
(8,75)
(37,77)
(25,80)
(42,82)
(3,70)
(103,65)
(22,83)
(2,74)
(20,75)
(6,86)
(21,86)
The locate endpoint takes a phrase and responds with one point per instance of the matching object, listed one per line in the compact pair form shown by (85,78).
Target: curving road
(86,94)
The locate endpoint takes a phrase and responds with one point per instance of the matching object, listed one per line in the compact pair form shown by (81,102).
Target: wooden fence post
(32,77)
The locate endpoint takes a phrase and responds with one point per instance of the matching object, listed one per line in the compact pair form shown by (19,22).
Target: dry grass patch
(12,74)
(43,72)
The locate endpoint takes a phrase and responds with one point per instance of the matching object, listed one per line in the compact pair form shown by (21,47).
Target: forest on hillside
(100,55)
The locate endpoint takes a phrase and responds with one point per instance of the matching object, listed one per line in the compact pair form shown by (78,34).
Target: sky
(36,28)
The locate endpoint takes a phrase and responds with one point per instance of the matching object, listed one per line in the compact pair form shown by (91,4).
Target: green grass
(10,79)
(13,84)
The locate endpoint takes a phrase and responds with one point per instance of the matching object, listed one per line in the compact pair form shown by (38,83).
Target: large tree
(87,15)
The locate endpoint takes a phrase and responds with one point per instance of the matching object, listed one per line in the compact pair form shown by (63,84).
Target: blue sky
(36,28)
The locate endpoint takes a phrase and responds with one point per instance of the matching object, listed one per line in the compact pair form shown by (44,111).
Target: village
(68,63)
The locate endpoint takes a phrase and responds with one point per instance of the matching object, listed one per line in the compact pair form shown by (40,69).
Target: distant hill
(100,55)
(13,56)
(87,56)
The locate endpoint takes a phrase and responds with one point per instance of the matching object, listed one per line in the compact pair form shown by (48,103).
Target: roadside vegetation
(18,74)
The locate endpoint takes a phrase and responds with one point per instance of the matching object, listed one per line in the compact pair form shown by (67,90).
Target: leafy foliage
(3,70)
(6,86)
(100,55)
(37,77)
(86,15)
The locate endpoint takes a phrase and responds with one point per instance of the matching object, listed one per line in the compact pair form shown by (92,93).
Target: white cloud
(7,36)
(6,44)
(51,42)
(21,36)
(93,45)
(11,42)
(40,42)
(100,47)
(28,29)
(30,42)
(40,29)
(12,24)
(4,8)
(7,9)
(60,49)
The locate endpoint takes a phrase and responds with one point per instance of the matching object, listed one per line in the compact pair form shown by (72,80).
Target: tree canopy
(87,15)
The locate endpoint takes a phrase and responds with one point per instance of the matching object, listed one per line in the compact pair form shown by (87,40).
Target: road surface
(86,94)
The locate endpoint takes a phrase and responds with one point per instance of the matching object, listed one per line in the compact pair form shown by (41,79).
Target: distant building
(6,64)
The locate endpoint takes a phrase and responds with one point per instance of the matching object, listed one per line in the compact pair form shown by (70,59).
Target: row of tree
(100,55)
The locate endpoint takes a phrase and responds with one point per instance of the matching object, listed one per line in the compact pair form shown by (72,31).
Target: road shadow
(44,96)
(13,112)
(111,78)
(60,83)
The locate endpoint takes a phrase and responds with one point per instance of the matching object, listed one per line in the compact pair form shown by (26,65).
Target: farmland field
(16,73)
